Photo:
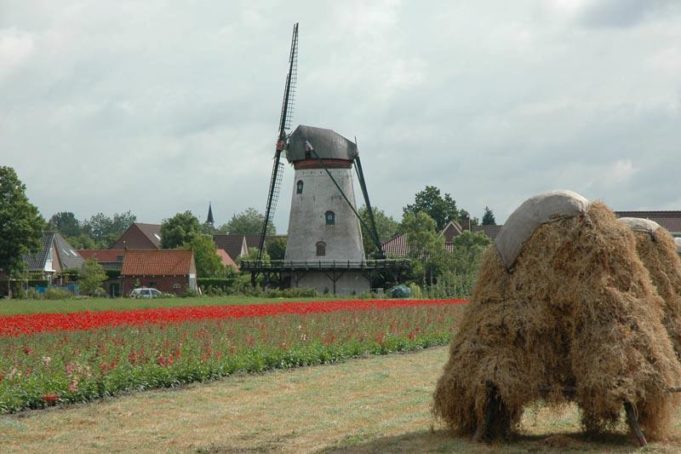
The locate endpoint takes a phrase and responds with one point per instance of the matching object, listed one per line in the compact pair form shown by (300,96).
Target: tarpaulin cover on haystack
(563,310)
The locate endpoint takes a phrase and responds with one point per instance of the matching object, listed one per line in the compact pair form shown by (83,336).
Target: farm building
(54,258)
(140,236)
(169,270)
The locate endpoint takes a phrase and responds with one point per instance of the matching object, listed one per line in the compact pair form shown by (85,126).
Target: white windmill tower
(324,249)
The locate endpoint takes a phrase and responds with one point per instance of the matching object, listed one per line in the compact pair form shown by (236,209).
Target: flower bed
(48,368)
(16,325)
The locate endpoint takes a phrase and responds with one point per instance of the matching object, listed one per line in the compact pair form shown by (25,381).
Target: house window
(321,249)
(330,218)
(299,187)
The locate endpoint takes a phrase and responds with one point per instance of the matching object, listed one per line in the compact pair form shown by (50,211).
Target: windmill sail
(284,124)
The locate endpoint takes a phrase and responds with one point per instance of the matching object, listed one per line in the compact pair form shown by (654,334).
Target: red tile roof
(163,262)
(226,259)
(103,255)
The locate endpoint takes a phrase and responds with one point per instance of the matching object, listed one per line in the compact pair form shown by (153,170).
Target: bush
(56,293)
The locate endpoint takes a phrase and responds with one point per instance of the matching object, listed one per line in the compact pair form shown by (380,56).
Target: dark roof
(327,144)
(36,262)
(670,220)
(67,256)
(490,230)
(232,244)
(161,262)
(209,219)
(151,231)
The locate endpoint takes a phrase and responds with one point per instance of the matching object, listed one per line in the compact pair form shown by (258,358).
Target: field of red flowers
(47,359)
(16,325)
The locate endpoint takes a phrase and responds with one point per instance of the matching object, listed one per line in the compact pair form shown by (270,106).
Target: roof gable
(140,236)
(234,245)
(66,255)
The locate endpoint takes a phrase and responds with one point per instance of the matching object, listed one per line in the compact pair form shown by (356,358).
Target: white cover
(641,225)
(538,210)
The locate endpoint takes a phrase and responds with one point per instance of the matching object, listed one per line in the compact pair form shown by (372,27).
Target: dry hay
(658,251)
(578,311)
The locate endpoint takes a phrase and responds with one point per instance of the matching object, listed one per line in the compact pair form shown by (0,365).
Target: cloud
(16,47)
(160,107)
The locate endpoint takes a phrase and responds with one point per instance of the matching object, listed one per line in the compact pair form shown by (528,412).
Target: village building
(168,270)
(55,257)
(140,236)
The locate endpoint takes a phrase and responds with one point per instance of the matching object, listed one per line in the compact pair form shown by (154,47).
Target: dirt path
(379,404)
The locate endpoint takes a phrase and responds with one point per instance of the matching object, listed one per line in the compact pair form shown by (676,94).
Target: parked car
(145,292)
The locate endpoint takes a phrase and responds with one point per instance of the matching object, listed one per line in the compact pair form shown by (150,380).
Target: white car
(145,292)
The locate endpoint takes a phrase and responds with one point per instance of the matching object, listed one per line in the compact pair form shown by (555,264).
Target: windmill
(324,247)
(284,125)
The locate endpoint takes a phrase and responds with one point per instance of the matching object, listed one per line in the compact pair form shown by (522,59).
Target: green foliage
(208,263)
(82,241)
(21,226)
(92,277)
(441,209)
(248,222)
(56,293)
(386,227)
(426,246)
(105,230)
(65,222)
(276,247)
(488,217)
(179,230)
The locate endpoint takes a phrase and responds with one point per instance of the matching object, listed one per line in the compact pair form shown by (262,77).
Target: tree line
(21,227)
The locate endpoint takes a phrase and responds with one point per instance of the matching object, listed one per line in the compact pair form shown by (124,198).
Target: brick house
(169,270)
(140,236)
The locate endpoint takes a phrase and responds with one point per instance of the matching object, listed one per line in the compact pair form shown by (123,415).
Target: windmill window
(330,218)
(299,187)
(321,248)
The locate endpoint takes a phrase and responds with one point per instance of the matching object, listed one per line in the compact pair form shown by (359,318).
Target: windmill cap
(306,141)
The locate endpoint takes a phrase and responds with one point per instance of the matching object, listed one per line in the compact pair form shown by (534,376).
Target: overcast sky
(162,106)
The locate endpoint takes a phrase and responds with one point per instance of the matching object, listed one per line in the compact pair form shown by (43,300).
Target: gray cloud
(160,107)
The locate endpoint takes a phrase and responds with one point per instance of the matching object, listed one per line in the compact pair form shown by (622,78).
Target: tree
(65,222)
(488,217)
(21,226)
(208,263)
(426,245)
(248,222)
(179,230)
(386,227)
(441,209)
(92,277)
(276,247)
(105,230)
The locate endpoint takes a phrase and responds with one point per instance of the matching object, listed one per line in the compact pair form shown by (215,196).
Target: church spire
(209,220)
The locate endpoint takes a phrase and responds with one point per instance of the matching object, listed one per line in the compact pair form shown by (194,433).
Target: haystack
(657,250)
(563,310)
